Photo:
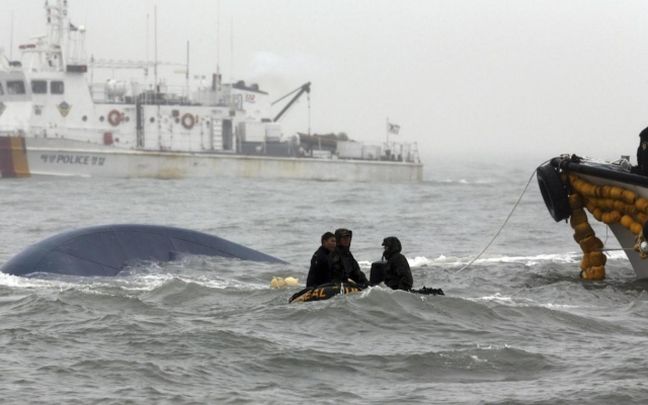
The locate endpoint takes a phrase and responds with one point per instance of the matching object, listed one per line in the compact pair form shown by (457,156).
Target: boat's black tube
(603,170)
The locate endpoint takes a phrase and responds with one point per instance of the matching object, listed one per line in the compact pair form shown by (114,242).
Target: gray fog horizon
(464,79)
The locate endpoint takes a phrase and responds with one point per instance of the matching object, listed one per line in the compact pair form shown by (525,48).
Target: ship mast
(218,38)
(155,53)
(11,37)
(62,48)
(57,23)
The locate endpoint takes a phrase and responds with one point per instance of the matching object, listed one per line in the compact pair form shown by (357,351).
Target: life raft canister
(188,121)
(114,118)
(554,192)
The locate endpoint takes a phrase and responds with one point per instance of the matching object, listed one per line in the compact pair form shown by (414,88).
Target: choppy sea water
(517,326)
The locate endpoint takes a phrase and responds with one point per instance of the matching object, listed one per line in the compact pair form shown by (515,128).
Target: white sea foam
(150,282)
(130,283)
(477,359)
(497,297)
(570,257)
(9,280)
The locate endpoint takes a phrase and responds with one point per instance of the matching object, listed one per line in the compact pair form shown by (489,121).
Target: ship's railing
(393,152)
(401,151)
(130,93)
(168,95)
(332,146)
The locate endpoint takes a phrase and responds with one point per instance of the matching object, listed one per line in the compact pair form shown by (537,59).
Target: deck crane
(305,88)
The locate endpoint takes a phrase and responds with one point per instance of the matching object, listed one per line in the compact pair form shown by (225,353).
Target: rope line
(505,221)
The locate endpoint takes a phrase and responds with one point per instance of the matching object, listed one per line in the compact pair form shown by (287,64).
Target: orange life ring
(114,118)
(188,121)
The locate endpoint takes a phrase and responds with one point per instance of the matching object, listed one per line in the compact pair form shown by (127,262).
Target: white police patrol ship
(55,121)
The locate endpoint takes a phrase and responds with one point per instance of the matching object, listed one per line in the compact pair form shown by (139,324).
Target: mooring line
(505,221)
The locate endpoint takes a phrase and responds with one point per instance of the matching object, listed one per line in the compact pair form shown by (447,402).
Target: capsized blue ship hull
(105,250)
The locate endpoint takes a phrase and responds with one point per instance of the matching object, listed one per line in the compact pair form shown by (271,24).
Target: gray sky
(479,78)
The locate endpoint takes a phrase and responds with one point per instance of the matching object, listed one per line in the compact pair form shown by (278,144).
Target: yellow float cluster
(593,262)
(613,204)
(608,204)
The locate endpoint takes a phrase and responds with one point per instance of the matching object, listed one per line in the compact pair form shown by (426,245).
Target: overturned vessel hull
(106,250)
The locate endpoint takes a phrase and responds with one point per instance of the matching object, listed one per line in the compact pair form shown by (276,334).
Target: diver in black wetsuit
(397,273)
(344,265)
(320,267)
(642,154)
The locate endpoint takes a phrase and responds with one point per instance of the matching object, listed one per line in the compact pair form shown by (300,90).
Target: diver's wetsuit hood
(392,245)
(643,135)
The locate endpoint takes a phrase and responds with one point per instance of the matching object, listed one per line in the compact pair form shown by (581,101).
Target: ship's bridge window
(15,87)
(57,87)
(39,86)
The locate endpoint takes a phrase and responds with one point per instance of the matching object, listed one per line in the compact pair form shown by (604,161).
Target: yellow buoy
(626,221)
(616,192)
(597,259)
(582,231)
(577,217)
(576,202)
(611,217)
(605,191)
(618,205)
(636,228)
(642,218)
(641,204)
(291,281)
(279,282)
(591,244)
(593,273)
(629,196)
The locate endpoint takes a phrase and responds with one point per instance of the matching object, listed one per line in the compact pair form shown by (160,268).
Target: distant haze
(474,79)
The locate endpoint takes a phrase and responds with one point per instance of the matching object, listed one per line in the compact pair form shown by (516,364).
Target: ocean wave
(151,278)
(522,302)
